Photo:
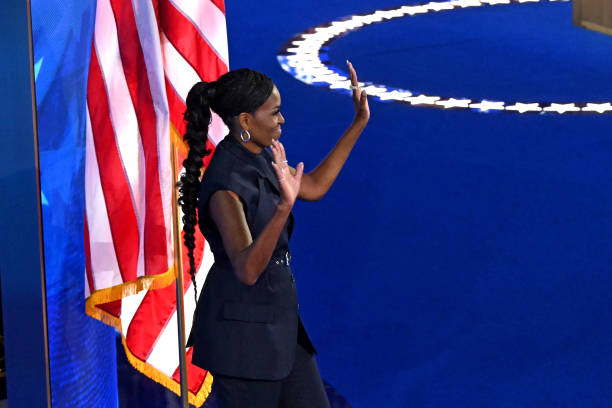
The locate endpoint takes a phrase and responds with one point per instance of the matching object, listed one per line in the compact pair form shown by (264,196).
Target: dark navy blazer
(241,330)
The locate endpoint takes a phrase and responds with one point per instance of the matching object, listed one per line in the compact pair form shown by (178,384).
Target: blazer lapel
(265,161)
(261,161)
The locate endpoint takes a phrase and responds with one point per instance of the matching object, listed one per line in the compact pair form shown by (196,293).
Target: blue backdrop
(461,259)
(81,349)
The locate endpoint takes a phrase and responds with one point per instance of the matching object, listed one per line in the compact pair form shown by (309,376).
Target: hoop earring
(245,140)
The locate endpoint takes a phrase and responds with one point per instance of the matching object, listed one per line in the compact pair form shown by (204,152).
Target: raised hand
(289,183)
(360,98)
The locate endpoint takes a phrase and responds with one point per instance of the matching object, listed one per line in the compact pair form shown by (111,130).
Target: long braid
(241,90)
(198,119)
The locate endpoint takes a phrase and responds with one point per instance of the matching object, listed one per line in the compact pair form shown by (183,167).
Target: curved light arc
(306,58)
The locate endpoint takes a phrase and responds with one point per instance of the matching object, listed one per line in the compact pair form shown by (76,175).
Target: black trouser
(303,388)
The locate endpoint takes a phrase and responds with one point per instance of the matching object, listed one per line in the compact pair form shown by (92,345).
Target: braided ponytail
(198,118)
(241,90)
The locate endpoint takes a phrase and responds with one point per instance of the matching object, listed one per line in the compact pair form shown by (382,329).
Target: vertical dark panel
(21,260)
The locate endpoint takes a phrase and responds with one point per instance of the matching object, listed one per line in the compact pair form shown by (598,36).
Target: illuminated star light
(341,84)
(304,61)
(394,13)
(525,107)
(367,19)
(488,105)
(493,2)
(598,107)
(435,6)
(562,107)
(454,103)
(384,14)
(466,3)
(422,100)
(412,10)
(395,95)
(373,90)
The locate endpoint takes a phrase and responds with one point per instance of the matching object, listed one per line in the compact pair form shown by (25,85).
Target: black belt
(281,258)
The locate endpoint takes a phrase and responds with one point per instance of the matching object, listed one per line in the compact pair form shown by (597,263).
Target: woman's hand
(289,183)
(360,98)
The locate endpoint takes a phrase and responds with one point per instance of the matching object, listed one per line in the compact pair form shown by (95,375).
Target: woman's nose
(281,118)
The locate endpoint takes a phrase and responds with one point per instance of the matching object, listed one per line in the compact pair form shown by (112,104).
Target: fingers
(279,172)
(363,100)
(280,162)
(279,151)
(354,83)
(299,170)
(363,110)
(282,149)
(280,157)
(352,73)
(276,153)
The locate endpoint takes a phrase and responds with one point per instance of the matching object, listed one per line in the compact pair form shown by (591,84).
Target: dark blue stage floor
(462,259)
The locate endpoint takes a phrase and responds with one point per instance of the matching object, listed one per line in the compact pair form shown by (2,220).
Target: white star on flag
(454,103)
(597,107)
(525,107)
(488,105)
(562,107)
(422,100)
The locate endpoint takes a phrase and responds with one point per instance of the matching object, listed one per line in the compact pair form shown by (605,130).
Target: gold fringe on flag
(131,288)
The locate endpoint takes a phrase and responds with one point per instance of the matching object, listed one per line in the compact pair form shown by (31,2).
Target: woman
(247,331)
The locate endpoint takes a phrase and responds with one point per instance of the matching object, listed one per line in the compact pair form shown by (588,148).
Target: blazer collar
(260,161)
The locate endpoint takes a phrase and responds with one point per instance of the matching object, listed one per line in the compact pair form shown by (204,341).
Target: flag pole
(180,307)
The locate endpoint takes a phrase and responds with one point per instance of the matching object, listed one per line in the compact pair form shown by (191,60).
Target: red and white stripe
(146,55)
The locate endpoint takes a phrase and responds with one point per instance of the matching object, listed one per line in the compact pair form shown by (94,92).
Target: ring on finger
(285,161)
(353,87)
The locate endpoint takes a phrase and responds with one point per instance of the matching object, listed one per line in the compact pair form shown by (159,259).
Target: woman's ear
(243,120)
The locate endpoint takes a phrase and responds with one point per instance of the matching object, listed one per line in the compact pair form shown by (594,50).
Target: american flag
(145,57)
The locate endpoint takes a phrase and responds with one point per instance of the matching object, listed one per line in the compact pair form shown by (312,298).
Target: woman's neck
(251,146)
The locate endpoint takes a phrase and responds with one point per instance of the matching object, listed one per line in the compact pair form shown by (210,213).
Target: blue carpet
(461,259)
